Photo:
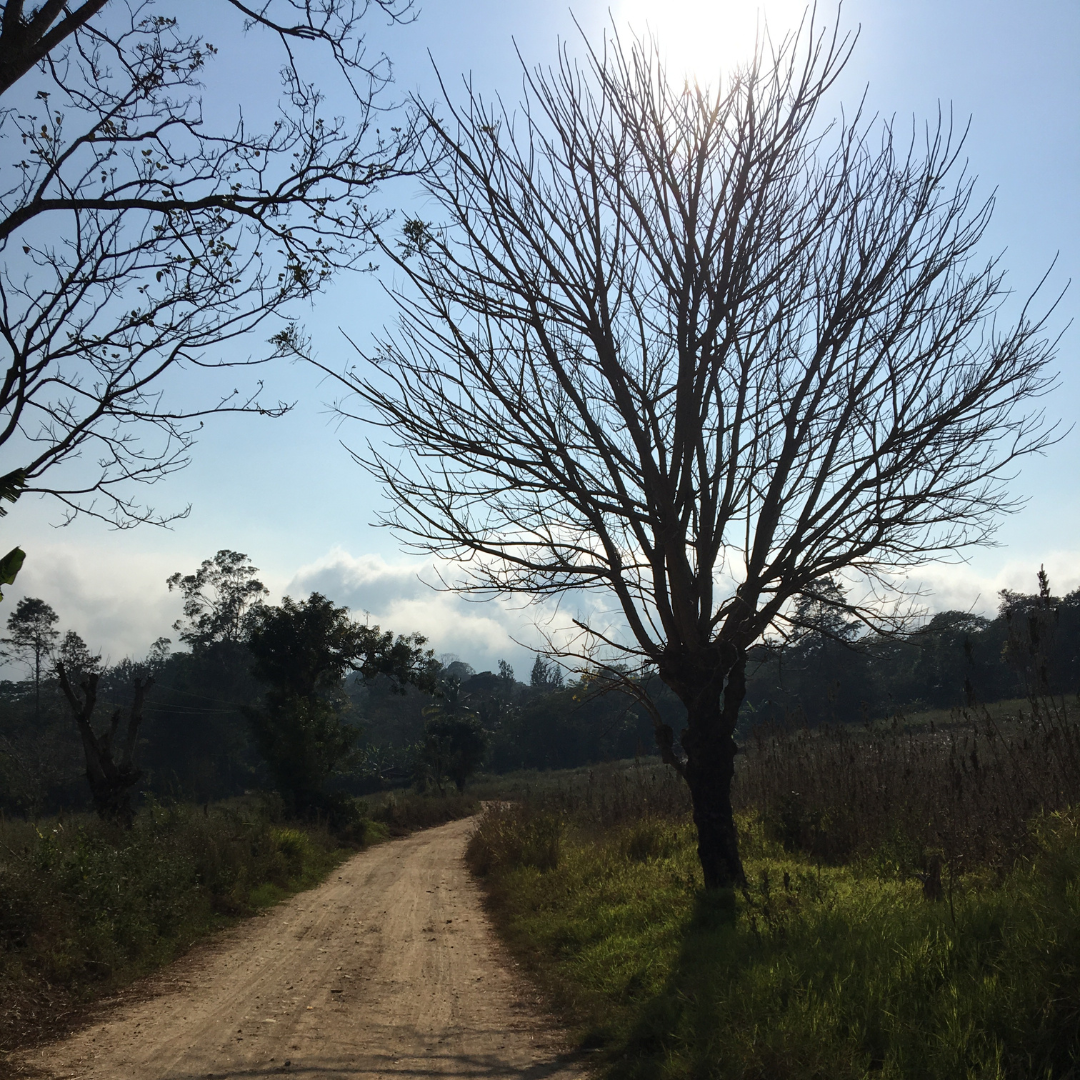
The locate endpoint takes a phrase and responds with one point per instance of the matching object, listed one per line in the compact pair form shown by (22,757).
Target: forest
(377,712)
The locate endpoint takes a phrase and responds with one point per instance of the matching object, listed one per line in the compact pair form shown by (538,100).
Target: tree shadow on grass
(716,1019)
(679,1021)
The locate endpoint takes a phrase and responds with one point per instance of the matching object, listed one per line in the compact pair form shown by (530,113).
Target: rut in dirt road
(388,968)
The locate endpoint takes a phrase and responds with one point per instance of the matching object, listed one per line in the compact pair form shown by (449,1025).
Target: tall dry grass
(966,792)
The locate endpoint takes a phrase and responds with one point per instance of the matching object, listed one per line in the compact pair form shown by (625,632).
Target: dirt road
(388,968)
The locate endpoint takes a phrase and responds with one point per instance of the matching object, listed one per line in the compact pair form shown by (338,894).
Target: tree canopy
(31,639)
(196,738)
(221,599)
(302,651)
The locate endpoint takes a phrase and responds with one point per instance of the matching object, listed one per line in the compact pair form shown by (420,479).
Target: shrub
(403,811)
(296,848)
(510,835)
(85,907)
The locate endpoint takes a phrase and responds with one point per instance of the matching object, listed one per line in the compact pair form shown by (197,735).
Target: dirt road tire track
(389,968)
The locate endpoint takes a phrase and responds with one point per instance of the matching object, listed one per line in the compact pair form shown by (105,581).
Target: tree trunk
(37,687)
(111,790)
(712,693)
(111,781)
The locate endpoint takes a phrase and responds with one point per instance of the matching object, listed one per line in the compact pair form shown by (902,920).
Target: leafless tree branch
(137,242)
(697,349)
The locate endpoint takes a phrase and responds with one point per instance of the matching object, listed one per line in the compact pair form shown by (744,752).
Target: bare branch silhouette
(696,350)
(138,243)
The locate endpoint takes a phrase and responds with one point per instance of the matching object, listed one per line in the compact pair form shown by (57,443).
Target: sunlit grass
(814,971)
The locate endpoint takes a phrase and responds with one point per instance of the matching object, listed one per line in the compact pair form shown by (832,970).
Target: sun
(703,40)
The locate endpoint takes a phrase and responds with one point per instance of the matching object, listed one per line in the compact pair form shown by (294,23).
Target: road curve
(389,968)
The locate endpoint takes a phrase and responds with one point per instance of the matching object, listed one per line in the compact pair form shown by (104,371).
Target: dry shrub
(511,835)
(606,796)
(642,799)
(967,791)
(404,811)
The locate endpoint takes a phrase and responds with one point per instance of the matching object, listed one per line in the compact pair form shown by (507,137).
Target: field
(912,908)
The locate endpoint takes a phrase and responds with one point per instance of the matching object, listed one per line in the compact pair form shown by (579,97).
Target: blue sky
(287,493)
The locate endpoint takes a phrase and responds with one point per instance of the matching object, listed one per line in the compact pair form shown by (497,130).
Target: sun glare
(703,40)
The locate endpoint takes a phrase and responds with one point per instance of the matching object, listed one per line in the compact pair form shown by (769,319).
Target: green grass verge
(86,908)
(830,972)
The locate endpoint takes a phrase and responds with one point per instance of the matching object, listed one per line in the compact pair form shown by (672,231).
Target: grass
(597,796)
(913,907)
(86,908)
(831,972)
(402,812)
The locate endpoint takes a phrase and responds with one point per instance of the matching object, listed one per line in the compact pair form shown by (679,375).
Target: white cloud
(117,602)
(400,597)
(111,593)
(361,582)
(965,587)
(114,595)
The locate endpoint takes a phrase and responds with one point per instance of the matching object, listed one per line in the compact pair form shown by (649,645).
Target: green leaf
(10,565)
(11,487)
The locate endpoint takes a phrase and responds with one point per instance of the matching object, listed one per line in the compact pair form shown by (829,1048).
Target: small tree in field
(453,743)
(545,675)
(696,350)
(110,762)
(76,657)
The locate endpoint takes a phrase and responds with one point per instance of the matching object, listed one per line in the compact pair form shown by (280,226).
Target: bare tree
(110,767)
(136,241)
(697,350)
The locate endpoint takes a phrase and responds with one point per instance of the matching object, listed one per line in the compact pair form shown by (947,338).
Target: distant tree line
(295,698)
(300,699)
(830,672)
